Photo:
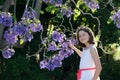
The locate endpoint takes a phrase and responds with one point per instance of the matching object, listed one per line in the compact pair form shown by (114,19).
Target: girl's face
(83,37)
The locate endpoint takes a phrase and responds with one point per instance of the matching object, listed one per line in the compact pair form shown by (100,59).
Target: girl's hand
(71,45)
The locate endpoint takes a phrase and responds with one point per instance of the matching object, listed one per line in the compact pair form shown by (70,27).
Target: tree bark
(38,7)
(5,9)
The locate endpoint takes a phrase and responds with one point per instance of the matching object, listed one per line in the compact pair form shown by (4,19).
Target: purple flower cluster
(6,19)
(10,36)
(52,46)
(29,13)
(65,52)
(92,4)
(56,60)
(54,2)
(57,36)
(51,63)
(23,31)
(73,40)
(67,12)
(62,47)
(20,31)
(116,18)
(35,27)
(7,52)
(20,28)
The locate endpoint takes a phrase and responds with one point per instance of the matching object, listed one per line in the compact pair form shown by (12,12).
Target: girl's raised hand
(71,45)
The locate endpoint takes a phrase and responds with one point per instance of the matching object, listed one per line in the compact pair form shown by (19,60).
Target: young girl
(90,65)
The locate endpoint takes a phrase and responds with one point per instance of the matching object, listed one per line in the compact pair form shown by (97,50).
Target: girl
(90,65)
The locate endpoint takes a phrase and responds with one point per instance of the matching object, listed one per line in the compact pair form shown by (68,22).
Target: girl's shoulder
(93,48)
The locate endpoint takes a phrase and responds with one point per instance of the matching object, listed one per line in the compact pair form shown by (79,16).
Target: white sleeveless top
(87,61)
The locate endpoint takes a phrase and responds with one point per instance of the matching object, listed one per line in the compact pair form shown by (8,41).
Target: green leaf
(76,14)
(52,11)
(109,21)
(93,11)
(21,41)
(50,30)
(49,8)
(41,12)
(59,15)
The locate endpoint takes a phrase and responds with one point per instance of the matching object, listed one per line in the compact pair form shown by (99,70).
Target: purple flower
(35,27)
(67,12)
(63,52)
(116,18)
(92,4)
(10,36)
(6,19)
(118,24)
(73,40)
(66,52)
(53,63)
(20,29)
(23,30)
(70,52)
(64,44)
(50,66)
(54,2)
(58,56)
(43,64)
(7,52)
(15,28)
(56,62)
(52,46)
(29,13)
(29,37)
(56,36)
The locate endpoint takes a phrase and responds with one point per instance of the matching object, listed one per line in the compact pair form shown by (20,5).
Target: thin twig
(33,2)
(26,7)
(71,24)
(15,1)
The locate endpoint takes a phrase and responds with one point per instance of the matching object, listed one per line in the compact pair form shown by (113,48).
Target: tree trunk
(38,7)
(5,9)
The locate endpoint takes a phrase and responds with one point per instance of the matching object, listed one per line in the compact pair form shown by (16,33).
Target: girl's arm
(75,49)
(97,62)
